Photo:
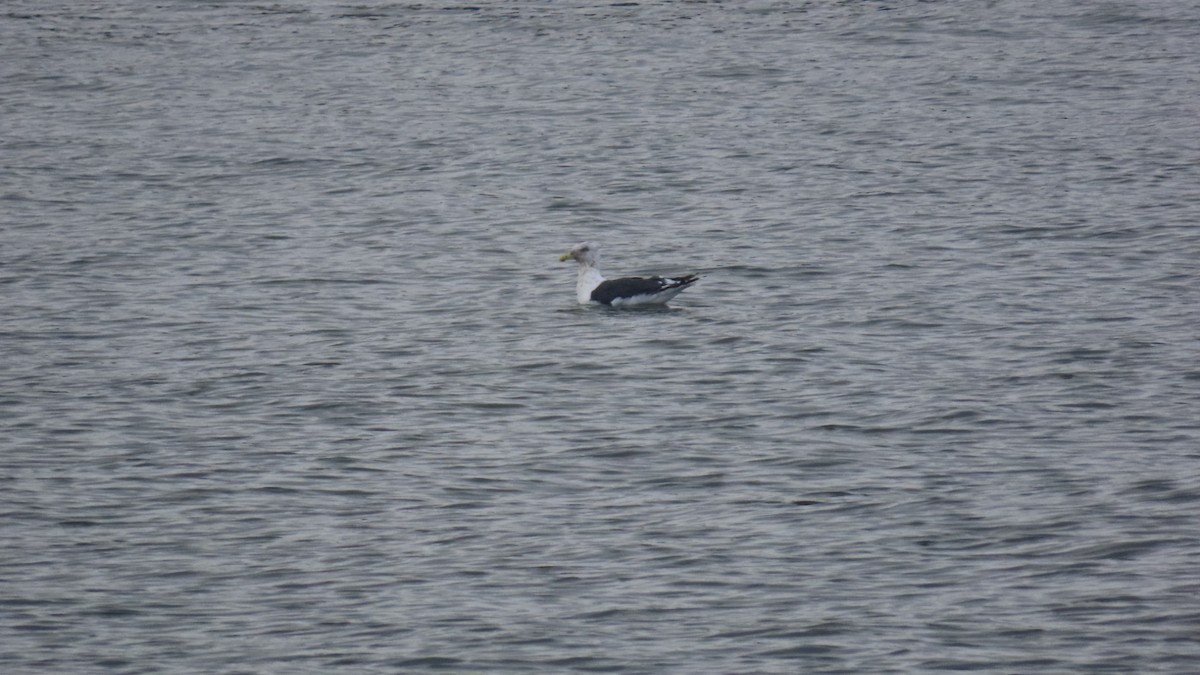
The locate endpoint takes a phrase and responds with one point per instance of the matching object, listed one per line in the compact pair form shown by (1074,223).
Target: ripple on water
(290,367)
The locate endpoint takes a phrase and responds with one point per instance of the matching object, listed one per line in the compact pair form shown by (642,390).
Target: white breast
(589,279)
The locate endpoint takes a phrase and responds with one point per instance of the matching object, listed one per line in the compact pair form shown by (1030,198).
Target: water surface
(292,380)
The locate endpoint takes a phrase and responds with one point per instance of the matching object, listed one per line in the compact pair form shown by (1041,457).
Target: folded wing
(641,290)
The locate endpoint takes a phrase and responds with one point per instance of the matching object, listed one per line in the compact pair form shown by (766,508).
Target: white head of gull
(593,288)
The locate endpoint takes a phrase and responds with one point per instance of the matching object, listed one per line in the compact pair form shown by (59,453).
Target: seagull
(592,287)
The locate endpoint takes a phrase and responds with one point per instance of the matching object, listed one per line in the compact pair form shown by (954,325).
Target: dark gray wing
(631,287)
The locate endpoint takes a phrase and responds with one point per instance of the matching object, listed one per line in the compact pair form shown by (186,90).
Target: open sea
(292,381)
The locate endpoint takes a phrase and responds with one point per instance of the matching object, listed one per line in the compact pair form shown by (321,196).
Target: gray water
(291,380)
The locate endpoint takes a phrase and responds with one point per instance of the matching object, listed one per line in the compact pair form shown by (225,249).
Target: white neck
(589,279)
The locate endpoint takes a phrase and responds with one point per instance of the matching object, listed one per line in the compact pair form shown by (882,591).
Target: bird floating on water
(592,287)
